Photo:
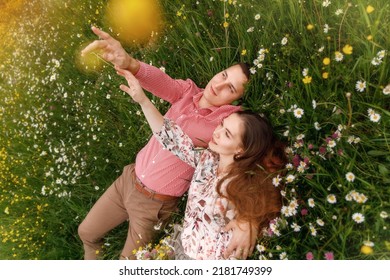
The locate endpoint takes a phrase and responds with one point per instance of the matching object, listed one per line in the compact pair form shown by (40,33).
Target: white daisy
(331,198)
(360,86)
(284,41)
(298,113)
(358,217)
(311,203)
(386,90)
(350,177)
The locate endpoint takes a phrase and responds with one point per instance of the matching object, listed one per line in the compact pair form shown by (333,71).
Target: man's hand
(112,51)
(242,242)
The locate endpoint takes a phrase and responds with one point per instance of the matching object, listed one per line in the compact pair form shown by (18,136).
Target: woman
(231,179)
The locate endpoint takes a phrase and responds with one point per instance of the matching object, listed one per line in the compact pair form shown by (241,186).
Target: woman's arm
(170,135)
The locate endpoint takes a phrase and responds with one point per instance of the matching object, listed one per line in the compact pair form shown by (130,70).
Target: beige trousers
(122,202)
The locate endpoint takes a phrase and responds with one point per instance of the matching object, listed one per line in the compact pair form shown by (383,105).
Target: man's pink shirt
(159,169)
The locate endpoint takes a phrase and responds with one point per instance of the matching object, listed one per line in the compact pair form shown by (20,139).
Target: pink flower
(296,160)
(309,256)
(329,256)
(304,212)
(322,150)
(336,135)
(310,146)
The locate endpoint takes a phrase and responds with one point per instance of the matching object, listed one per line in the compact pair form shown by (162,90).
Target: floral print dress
(206,213)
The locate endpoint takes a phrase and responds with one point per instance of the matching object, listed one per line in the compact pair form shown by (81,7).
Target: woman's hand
(243,240)
(133,89)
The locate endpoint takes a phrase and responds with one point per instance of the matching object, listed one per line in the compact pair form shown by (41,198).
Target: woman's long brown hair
(250,187)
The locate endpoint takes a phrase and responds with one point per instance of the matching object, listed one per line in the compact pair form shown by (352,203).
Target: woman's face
(226,139)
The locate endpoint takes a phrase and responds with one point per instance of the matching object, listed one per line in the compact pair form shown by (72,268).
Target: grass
(67,131)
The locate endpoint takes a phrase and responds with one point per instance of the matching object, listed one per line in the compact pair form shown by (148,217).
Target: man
(147,192)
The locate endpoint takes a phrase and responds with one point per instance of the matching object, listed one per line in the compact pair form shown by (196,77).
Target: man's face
(225,87)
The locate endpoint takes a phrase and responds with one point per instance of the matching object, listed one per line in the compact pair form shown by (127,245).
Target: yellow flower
(6,211)
(369,9)
(307,80)
(226,24)
(243,52)
(347,49)
(367,250)
(325,75)
(369,37)
(326,61)
(310,26)
(226,15)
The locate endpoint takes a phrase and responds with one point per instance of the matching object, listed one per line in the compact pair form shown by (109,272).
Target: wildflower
(321,49)
(158,225)
(253,70)
(326,3)
(225,24)
(366,250)
(284,41)
(289,166)
(317,126)
(309,26)
(211,58)
(298,113)
(6,210)
(257,16)
(326,28)
(250,29)
(376,61)
(243,52)
(368,243)
(309,256)
(304,212)
(326,61)
(383,215)
(307,80)
(325,75)
(162,68)
(320,222)
(290,178)
(369,37)
(311,203)
(358,217)
(338,56)
(339,12)
(374,116)
(313,230)
(331,198)
(261,248)
(331,143)
(295,227)
(283,256)
(381,54)
(329,256)
(350,177)
(360,86)
(347,49)
(305,71)
(370,9)
(276,181)
(314,104)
